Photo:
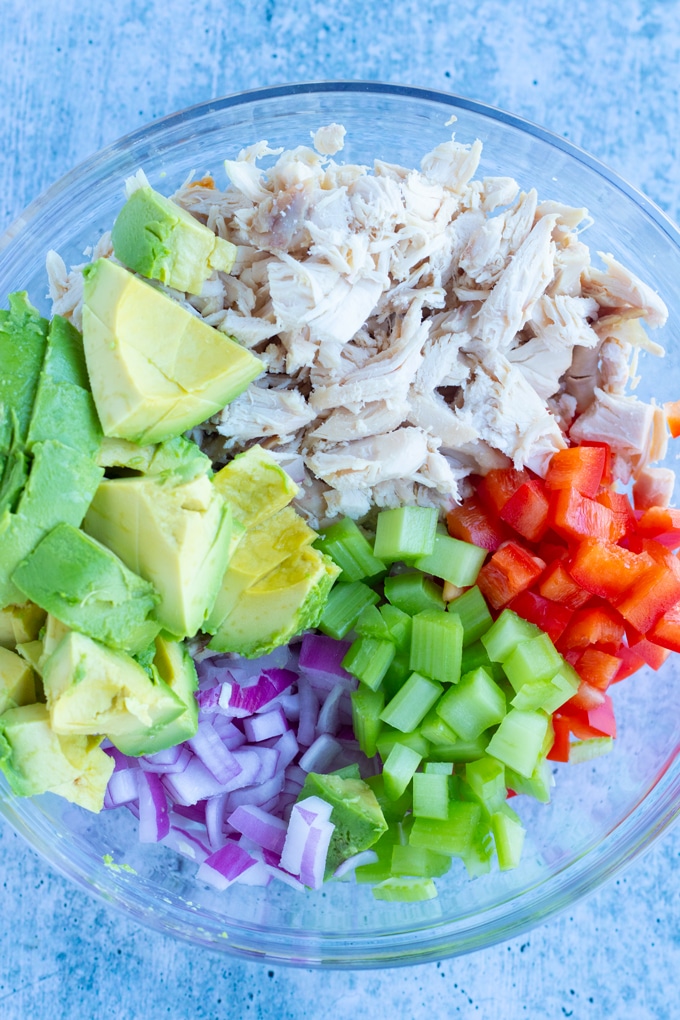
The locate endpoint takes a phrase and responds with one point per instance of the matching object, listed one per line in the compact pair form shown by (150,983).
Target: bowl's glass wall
(602,812)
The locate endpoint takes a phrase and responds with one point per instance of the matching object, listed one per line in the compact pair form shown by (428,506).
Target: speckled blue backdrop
(73,78)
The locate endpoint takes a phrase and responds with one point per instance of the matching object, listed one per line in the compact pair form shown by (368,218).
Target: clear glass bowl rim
(650,818)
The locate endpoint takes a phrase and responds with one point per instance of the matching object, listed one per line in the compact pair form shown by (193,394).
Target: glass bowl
(603,813)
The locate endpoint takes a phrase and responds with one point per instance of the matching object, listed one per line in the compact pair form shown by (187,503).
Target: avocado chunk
(255,486)
(155,369)
(63,406)
(17,681)
(20,623)
(32,653)
(60,487)
(179,457)
(156,237)
(287,601)
(175,667)
(91,688)
(36,760)
(261,550)
(173,534)
(88,588)
(357,816)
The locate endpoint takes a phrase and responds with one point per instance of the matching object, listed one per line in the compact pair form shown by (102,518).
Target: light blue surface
(73,79)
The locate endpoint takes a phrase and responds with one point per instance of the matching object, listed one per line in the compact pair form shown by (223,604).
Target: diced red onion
(214,820)
(191,812)
(297,774)
(290,703)
(329,716)
(287,748)
(315,853)
(154,821)
(225,865)
(352,863)
(122,788)
(121,761)
(264,829)
(175,759)
(187,844)
(258,794)
(321,657)
(265,725)
(218,759)
(321,755)
(230,735)
(309,712)
(194,784)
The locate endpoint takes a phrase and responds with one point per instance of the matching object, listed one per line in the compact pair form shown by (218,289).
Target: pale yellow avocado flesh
(175,536)
(255,486)
(20,623)
(155,369)
(32,652)
(17,681)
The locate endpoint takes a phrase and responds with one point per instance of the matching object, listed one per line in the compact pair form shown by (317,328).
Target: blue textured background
(604,75)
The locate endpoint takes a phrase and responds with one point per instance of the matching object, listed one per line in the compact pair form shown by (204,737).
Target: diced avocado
(176,668)
(93,689)
(52,635)
(255,486)
(357,816)
(20,623)
(157,238)
(32,652)
(23,339)
(173,534)
(286,602)
(155,369)
(88,588)
(63,406)
(36,760)
(60,487)
(260,551)
(17,681)
(178,456)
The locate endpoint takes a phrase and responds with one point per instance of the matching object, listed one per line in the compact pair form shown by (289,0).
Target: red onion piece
(309,712)
(321,755)
(122,788)
(329,716)
(265,725)
(352,863)
(258,794)
(225,865)
(321,657)
(216,757)
(154,821)
(175,759)
(262,828)
(194,784)
(315,853)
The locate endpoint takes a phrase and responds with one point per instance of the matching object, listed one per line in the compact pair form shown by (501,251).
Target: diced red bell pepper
(579,467)
(605,569)
(510,570)
(597,668)
(560,748)
(471,522)
(553,548)
(624,514)
(558,585)
(587,697)
(496,487)
(666,630)
(672,409)
(551,617)
(601,719)
(631,662)
(607,474)
(579,517)
(661,523)
(595,625)
(657,591)
(652,653)
(527,510)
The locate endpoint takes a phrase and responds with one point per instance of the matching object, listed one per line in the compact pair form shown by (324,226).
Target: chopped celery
(347,546)
(344,606)
(508,834)
(405,890)
(486,779)
(398,624)
(430,795)
(478,859)
(438,768)
(396,675)
(411,703)
(434,729)
(474,614)
(413,592)
(382,868)
(473,705)
(348,772)
(371,624)
(461,751)
(368,659)
(474,655)
(405,533)
(507,632)
(518,741)
(418,862)
(531,661)
(393,810)
(452,560)
(366,722)
(436,645)
(398,770)
(452,836)
(548,694)
(586,750)
(538,785)
(389,737)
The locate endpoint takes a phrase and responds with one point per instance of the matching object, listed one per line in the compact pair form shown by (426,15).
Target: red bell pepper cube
(631,662)
(657,591)
(496,487)
(651,652)
(587,697)
(672,409)
(558,585)
(607,474)
(510,570)
(578,517)
(471,522)
(605,569)
(579,467)
(666,630)
(595,625)
(551,617)
(527,510)
(601,719)
(620,506)
(552,548)
(598,668)
(560,748)
(661,523)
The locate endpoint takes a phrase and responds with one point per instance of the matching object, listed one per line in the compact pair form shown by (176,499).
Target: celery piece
(461,751)
(486,779)
(405,890)
(507,632)
(382,868)
(393,810)
(452,836)
(548,694)
(344,607)
(366,722)
(398,624)
(438,768)
(398,672)
(436,645)
(430,795)
(398,770)
(531,661)
(586,750)
(368,659)
(347,772)
(519,740)
(473,612)
(473,705)
(371,624)
(538,785)
(452,560)
(478,859)
(508,834)
(411,703)
(474,655)
(418,862)
(405,533)
(347,546)
(413,592)
(434,729)
(389,737)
